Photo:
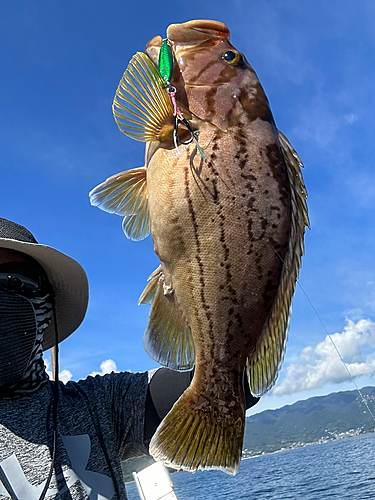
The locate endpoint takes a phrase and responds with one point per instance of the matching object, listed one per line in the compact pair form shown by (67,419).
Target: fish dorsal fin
(263,365)
(142,107)
(126,194)
(167,338)
(294,164)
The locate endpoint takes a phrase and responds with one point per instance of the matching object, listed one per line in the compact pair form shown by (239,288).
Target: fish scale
(227,226)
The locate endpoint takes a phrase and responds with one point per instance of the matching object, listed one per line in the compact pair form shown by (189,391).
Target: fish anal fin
(125,194)
(194,438)
(167,337)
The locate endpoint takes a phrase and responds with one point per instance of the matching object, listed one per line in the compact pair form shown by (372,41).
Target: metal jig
(166,69)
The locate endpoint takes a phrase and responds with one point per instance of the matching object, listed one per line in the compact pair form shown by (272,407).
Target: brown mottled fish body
(228,230)
(220,224)
(218,227)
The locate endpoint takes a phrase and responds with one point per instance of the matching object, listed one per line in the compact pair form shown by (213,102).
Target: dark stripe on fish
(210,101)
(256,105)
(222,239)
(277,165)
(205,306)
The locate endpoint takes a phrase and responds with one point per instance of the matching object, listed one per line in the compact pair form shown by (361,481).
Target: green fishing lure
(166,61)
(143,102)
(166,70)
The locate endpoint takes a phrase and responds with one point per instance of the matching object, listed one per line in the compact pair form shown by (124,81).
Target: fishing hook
(165,69)
(179,118)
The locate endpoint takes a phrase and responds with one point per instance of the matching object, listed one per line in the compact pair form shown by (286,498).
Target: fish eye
(234,58)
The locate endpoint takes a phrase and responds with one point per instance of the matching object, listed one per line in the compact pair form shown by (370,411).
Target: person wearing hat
(64,440)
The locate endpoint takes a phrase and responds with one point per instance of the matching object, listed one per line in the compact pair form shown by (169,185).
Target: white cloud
(107,366)
(356,313)
(321,365)
(64,375)
(352,118)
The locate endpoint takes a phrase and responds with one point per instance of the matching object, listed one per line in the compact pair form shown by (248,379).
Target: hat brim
(69,283)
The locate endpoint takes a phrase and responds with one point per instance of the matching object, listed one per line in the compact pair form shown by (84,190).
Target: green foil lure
(166,61)
(166,70)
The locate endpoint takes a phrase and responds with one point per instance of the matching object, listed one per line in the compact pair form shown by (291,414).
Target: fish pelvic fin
(264,364)
(142,107)
(194,438)
(125,194)
(167,337)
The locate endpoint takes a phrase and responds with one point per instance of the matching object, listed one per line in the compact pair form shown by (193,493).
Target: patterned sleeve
(118,403)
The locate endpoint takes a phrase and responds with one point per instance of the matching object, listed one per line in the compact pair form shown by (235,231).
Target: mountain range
(314,420)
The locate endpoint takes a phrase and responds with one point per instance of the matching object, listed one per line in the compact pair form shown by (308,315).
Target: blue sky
(61,63)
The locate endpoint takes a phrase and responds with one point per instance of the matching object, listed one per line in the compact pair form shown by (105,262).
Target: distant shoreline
(305,445)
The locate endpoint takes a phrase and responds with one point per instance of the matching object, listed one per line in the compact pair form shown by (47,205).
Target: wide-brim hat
(67,277)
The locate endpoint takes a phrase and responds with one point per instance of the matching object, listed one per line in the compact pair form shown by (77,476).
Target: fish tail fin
(192,437)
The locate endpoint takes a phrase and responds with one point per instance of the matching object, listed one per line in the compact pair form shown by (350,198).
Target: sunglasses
(20,277)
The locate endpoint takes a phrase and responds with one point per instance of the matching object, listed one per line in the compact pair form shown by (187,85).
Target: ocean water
(337,470)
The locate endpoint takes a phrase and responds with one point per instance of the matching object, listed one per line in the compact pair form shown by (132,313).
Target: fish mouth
(197,31)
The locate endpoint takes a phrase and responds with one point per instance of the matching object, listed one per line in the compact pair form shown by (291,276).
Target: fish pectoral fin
(167,337)
(192,437)
(142,107)
(126,194)
(264,364)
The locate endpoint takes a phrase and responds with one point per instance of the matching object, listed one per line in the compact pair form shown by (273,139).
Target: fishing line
(327,332)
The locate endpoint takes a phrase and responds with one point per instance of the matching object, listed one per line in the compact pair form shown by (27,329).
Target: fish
(223,196)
